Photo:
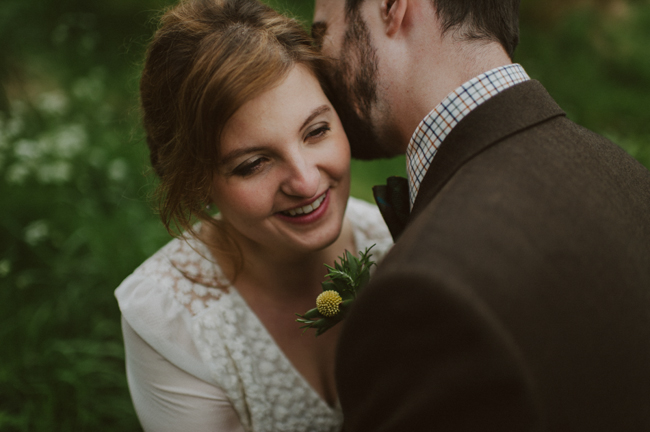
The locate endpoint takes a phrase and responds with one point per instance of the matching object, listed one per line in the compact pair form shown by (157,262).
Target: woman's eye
(319,132)
(249,167)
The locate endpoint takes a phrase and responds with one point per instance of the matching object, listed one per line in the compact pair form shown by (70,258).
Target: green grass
(597,66)
(75,217)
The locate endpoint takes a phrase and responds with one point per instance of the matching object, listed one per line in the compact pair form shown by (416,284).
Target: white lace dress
(198,358)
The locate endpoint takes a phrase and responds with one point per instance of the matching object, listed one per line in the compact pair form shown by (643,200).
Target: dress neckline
(267,335)
(203,251)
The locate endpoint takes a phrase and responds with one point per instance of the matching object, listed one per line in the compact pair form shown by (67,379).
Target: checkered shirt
(435,127)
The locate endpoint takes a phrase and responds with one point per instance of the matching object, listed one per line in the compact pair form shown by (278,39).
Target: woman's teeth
(306,209)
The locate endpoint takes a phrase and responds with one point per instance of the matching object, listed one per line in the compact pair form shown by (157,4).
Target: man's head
(381,47)
(353,76)
(495,20)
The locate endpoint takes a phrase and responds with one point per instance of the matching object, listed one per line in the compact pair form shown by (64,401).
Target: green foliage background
(74,213)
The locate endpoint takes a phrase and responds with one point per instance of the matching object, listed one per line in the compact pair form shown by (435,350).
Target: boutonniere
(340,288)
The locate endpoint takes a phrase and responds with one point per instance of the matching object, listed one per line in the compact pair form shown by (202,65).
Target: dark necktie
(393,202)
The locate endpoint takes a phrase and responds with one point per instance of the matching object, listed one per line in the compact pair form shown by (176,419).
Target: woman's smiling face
(284,176)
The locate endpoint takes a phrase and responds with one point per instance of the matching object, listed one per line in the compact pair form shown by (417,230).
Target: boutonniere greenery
(340,288)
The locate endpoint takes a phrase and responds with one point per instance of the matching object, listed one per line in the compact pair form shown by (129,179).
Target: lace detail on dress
(263,386)
(185,266)
(265,389)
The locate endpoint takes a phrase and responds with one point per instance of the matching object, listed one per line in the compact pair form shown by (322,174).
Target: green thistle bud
(343,281)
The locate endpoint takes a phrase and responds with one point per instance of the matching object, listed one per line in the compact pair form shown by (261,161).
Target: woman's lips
(306,209)
(307,213)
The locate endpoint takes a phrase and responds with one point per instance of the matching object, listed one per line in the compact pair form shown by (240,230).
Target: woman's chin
(315,242)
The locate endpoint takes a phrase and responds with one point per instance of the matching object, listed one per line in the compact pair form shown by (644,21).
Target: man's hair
(495,20)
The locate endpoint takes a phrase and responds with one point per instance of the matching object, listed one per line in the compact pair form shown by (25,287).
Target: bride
(236,120)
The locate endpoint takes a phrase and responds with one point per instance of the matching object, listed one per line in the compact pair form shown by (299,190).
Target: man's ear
(393,13)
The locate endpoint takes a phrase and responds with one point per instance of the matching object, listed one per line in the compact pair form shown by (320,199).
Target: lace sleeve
(167,398)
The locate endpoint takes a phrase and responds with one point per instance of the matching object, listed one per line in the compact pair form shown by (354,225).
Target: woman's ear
(393,13)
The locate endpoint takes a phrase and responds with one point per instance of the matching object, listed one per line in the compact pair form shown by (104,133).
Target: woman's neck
(273,275)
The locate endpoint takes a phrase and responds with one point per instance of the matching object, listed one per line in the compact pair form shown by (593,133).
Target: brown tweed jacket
(518,297)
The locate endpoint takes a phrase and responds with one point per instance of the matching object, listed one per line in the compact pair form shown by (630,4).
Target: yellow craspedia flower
(328,303)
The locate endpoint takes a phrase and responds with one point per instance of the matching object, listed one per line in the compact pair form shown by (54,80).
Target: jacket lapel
(513,110)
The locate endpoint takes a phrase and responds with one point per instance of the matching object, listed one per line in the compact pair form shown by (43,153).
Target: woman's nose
(302,178)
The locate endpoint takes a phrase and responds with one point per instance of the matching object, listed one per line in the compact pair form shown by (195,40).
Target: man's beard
(353,91)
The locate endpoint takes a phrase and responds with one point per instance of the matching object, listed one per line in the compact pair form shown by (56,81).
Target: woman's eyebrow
(243,151)
(315,113)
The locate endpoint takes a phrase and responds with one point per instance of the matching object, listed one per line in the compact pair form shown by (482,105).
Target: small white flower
(17,173)
(117,170)
(57,172)
(91,87)
(69,141)
(14,126)
(36,232)
(53,103)
(28,150)
(5,268)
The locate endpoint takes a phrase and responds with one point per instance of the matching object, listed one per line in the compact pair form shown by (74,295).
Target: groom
(517,297)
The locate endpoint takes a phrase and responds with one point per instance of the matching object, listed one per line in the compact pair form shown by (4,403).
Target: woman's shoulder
(184,269)
(161,298)
(369,227)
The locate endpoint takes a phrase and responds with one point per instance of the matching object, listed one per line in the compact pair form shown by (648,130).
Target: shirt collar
(435,127)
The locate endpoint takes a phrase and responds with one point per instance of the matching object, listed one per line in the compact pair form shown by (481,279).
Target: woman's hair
(206,60)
